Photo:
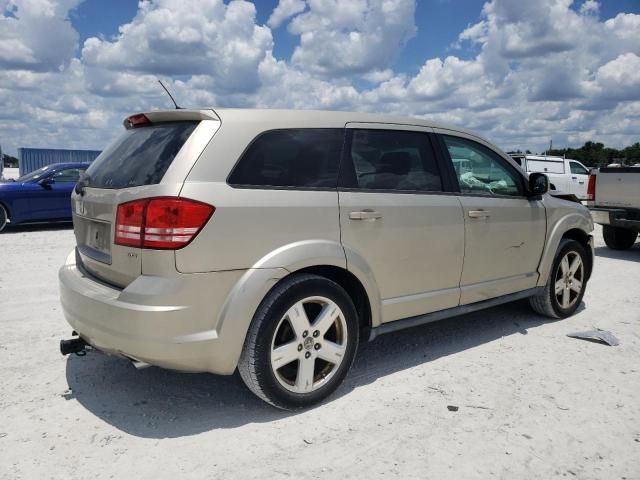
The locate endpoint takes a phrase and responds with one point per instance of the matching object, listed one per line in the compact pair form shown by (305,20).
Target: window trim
(249,186)
(502,161)
(347,164)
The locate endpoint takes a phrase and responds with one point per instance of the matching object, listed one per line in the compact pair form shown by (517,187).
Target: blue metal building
(30,159)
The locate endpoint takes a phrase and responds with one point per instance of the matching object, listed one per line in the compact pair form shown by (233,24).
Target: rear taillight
(165,223)
(591,188)
(129,223)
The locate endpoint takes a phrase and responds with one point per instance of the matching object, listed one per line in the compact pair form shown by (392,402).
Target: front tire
(566,284)
(618,238)
(4,217)
(301,342)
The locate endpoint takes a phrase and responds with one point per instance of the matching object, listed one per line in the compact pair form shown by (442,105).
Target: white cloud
(177,37)
(285,10)
(36,34)
(343,38)
(525,72)
(590,7)
(620,78)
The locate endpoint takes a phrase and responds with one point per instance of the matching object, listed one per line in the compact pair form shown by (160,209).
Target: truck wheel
(301,342)
(566,284)
(618,238)
(3,218)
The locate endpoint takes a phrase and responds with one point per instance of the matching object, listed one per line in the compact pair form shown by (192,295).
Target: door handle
(478,214)
(365,215)
(581,183)
(574,178)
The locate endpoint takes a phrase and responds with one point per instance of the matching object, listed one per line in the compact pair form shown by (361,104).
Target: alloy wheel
(569,280)
(309,344)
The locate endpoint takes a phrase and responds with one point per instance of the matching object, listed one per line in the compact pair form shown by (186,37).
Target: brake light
(591,187)
(138,120)
(129,223)
(164,223)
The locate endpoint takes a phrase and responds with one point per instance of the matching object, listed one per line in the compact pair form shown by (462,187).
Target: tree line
(9,161)
(595,154)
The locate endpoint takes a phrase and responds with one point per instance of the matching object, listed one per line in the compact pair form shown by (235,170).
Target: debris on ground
(596,336)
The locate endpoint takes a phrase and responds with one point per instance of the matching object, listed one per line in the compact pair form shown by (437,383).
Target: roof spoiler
(161,116)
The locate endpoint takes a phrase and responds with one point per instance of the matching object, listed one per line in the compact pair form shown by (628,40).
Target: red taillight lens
(129,223)
(173,222)
(138,120)
(160,223)
(591,187)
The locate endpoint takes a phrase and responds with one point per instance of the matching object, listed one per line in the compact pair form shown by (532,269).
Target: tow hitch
(74,345)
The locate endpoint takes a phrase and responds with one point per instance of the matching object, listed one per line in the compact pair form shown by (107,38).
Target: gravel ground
(533,403)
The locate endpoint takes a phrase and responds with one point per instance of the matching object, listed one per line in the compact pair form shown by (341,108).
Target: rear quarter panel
(258,227)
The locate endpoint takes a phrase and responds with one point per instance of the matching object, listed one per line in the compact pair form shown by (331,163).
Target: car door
(50,197)
(504,230)
(60,191)
(579,179)
(40,206)
(397,218)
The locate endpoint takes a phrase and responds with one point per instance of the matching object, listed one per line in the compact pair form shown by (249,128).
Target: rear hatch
(150,159)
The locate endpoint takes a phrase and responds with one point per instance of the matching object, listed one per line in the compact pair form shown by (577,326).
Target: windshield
(33,176)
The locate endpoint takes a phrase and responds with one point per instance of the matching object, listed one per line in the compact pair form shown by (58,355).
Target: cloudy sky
(518,72)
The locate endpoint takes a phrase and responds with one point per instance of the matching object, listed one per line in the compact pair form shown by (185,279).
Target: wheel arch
(337,262)
(321,257)
(575,226)
(6,208)
(351,284)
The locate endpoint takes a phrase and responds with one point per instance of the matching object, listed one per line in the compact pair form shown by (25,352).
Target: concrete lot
(533,403)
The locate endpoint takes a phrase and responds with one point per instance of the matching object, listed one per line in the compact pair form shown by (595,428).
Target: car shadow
(156,403)
(632,255)
(37,227)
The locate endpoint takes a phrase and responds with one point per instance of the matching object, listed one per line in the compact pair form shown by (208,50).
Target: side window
(479,170)
(393,160)
(68,175)
(291,158)
(578,169)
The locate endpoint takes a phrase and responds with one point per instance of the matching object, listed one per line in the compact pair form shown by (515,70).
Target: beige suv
(274,241)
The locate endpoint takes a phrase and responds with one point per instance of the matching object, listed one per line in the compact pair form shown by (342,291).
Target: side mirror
(46,182)
(538,183)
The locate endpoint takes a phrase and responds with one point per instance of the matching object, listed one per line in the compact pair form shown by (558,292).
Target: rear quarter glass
(140,156)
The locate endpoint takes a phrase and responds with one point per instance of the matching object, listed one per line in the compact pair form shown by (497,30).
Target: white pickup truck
(565,175)
(614,201)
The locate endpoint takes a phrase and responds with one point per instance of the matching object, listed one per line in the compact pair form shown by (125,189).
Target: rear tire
(565,288)
(301,342)
(4,216)
(618,238)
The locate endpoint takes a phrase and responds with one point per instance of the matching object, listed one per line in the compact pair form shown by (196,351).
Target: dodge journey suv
(272,242)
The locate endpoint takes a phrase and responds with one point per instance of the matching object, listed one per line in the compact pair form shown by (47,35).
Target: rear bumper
(617,217)
(170,322)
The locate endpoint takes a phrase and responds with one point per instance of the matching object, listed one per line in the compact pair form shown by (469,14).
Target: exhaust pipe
(73,345)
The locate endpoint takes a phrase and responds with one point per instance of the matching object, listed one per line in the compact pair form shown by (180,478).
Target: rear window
(307,158)
(140,156)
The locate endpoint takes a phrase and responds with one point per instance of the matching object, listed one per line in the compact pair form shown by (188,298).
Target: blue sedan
(40,196)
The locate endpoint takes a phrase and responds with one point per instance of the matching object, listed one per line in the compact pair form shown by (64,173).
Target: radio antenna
(170,96)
